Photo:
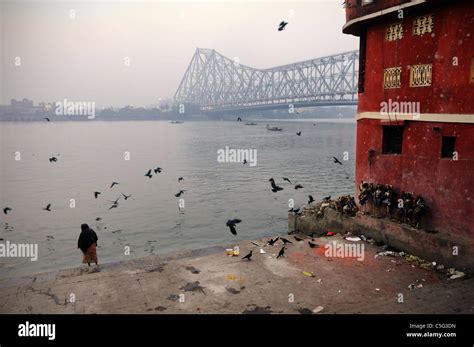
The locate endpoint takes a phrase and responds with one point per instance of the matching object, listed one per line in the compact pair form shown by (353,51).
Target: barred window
(423,25)
(421,75)
(394,32)
(392,77)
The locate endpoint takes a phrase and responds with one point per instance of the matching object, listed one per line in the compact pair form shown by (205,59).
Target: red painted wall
(447,185)
(451,90)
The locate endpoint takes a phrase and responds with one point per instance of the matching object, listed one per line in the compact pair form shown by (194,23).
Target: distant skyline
(120,53)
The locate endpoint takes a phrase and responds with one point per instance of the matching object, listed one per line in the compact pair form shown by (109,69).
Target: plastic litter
(262,251)
(309,273)
(318,309)
(353,239)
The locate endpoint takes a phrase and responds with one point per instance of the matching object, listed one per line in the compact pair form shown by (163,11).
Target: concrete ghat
(433,247)
(231,285)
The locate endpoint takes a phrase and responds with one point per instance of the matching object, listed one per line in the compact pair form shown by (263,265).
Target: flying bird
(96,194)
(281,253)
(47,208)
(47,119)
(6,209)
(285,241)
(327,198)
(287,179)
(282,25)
(298,186)
(126,196)
(310,199)
(148,174)
(239,119)
(245,161)
(248,256)
(53,159)
(298,133)
(271,242)
(113,184)
(158,170)
(98,219)
(180,179)
(115,202)
(178,194)
(336,161)
(113,206)
(231,224)
(275,188)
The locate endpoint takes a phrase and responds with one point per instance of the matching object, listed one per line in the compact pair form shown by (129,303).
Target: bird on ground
(148,174)
(275,188)
(126,196)
(287,179)
(180,179)
(281,253)
(53,159)
(47,119)
(158,170)
(6,210)
(298,239)
(282,25)
(245,161)
(113,184)
(310,199)
(298,186)
(285,241)
(312,245)
(336,161)
(231,224)
(327,198)
(96,194)
(178,194)
(298,133)
(47,208)
(271,242)
(295,210)
(248,256)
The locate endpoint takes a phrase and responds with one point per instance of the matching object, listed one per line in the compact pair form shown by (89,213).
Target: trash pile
(387,203)
(344,204)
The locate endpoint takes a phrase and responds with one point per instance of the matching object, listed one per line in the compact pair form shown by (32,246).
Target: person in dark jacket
(88,244)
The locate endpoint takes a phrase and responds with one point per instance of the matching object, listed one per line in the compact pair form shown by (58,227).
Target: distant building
(415,118)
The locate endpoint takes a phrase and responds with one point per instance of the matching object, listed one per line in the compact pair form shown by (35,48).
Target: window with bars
(421,75)
(394,32)
(423,25)
(392,77)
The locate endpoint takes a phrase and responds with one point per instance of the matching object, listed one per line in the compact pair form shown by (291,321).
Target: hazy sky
(79,50)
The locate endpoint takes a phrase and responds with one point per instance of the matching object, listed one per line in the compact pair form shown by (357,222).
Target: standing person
(88,244)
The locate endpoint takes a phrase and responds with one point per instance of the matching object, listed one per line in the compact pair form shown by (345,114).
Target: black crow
(298,133)
(47,119)
(248,256)
(298,186)
(287,179)
(47,208)
(282,25)
(178,194)
(336,161)
(6,209)
(180,179)
(272,241)
(113,184)
(281,253)
(231,224)
(310,199)
(285,241)
(53,159)
(158,170)
(275,188)
(148,174)
(96,194)
(126,196)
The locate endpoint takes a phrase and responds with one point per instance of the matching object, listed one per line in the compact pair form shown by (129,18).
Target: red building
(415,118)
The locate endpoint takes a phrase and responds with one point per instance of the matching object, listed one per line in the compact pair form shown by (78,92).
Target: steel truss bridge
(216,83)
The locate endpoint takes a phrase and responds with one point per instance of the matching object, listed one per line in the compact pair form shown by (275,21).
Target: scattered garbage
(309,273)
(389,254)
(453,274)
(377,289)
(262,251)
(233,252)
(415,285)
(353,239)
(318,309)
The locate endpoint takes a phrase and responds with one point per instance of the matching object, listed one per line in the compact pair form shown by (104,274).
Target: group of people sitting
(408,208)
